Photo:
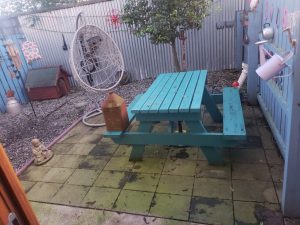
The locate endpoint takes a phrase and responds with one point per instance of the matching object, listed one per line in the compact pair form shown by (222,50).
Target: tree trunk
(175,57)
(177,67)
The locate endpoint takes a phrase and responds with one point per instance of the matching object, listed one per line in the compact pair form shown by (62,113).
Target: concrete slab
(70,195)
(149,165)
(66,161)
(134,201)
(98,130)
(182,167)
(211,211)
(213,188)
(247,171)
(277,173)
(83,177)
(170,206)
(90,138)
(267,138)
(27,185)
(251,127)
(274,157)
(248,111)
(101,198)
(250,155)
(43,192)
(278,188)
(75,134)
(119,164)
(103,149)
(80,149)
(246,213)
(61,148)
(252,141)
(57,175)
(50,214)
(201,155)
(156,151)
(55,159)
(34,173)
(93,162)
(123,151)
(142,182)
(111,179)
(183,153)
(203,169)
(259,117)
(258,191)
(180,185)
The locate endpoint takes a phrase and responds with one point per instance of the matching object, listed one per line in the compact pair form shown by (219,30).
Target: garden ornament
(268,32)
(253,4)
(243,75)
(31,51)
(40,152)
(292,41)
(273,66)
(13,52)
(13,107)
(114,18)
(239,83)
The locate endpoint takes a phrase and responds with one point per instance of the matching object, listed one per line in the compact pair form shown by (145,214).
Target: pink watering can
(273,66)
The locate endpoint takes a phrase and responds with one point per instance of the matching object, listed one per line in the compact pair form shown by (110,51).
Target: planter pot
(13,107)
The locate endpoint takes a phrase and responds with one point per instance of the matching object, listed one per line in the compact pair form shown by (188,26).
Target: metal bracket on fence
(225,24)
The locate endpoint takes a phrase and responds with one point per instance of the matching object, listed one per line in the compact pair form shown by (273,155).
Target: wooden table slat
(147,94)
(161,97)
(198,94)
(189,94)
(164,108)
(158,89)
(174,107)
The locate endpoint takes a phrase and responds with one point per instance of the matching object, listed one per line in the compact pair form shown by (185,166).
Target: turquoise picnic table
(177,97)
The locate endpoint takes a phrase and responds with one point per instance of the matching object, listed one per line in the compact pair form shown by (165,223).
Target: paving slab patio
(90,180)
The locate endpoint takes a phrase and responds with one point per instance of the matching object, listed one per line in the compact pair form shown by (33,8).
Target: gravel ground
(54,116)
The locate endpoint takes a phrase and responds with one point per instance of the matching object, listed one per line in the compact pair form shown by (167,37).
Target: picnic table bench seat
(178,97)
(233,119)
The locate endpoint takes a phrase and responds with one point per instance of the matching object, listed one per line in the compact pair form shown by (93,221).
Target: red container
(115,112)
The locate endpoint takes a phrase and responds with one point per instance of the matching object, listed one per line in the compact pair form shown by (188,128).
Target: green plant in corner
(162,20)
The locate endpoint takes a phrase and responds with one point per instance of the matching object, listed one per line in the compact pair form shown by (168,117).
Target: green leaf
(162,19)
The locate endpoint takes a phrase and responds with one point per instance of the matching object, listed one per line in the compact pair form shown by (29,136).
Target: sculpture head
(35,142)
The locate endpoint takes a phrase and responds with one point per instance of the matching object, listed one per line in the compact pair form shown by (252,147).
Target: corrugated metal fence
(207,48)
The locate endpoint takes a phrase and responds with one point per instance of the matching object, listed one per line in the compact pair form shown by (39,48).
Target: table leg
(211,107)
(180,126)
(214,155)
(138,150)
(171,126)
